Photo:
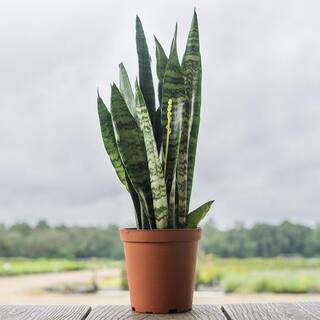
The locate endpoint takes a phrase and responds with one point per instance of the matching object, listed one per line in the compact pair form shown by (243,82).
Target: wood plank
(8,312)
(312,308)
(208,312)
(269,311)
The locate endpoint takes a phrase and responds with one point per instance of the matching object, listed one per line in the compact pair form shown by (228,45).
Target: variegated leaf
(133,153)
(191,66)
(158,130)
(194,217)
(111,147)
(173,96)
(126,90)
(136,203)
(158,186)
(145,73)
(162,61)
(173,207)
(182,167)
(109,141)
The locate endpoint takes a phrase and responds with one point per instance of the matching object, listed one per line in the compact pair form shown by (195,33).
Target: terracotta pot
(160,268)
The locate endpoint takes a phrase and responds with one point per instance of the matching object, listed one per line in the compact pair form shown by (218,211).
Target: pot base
(161,311)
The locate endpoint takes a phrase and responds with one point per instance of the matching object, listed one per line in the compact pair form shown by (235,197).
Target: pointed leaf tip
(194,21)
(126,89)
(174,40)
(176,31)
(145,72)
(138,20)
(156,40)
(194,217)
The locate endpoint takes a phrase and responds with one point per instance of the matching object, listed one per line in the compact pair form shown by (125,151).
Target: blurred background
(258,154)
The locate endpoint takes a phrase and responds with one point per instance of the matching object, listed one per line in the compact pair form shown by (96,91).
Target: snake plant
(153,149)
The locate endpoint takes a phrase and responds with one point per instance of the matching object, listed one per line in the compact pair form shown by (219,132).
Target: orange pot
(161,268)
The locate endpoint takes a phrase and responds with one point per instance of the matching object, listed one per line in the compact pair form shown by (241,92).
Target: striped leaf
(109,141)
(191,66)
(111,147)
(145,74)
(173,208)
(173,95)
(126,90)
(182,168)
(158,130)
(194,217)
(133,154)
(162,61)
(136,204)
(158,186)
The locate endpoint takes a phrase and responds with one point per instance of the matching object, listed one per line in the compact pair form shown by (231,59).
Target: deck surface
(267,311)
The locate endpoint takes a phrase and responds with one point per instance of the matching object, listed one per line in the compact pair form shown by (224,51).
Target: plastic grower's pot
(161,268)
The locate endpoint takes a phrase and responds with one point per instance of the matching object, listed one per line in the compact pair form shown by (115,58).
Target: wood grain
(43,312)
(271,311)
(312,308)
(208,312)
(267,311)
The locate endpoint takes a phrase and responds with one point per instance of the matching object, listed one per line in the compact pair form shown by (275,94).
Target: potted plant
(153,153)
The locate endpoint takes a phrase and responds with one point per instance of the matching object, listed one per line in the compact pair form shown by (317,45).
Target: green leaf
(145,74)
(194,217)
(126,90)
(109,141)
(191,66)
(162,61)
(173,223)
(136,203)
(173,94)
(182,168)
(158,129)
(111,147)
(158,186)
(133,154)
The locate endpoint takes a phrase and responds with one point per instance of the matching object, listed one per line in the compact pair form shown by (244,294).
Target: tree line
(260,240)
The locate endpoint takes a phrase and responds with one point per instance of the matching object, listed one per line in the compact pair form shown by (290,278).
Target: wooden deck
(267,311)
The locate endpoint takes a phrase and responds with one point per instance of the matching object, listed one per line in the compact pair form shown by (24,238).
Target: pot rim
(160,235)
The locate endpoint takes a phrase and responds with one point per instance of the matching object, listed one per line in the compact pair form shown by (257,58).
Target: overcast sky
(258,153)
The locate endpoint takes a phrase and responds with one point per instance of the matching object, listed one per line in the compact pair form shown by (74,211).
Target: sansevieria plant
(152,146)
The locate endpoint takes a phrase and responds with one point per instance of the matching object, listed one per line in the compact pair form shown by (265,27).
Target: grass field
(272,275)
(19,266)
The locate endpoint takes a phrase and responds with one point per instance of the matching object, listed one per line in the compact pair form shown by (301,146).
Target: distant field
(19,266)
(273,275)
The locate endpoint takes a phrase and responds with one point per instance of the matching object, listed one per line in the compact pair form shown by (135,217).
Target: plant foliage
(153,149)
